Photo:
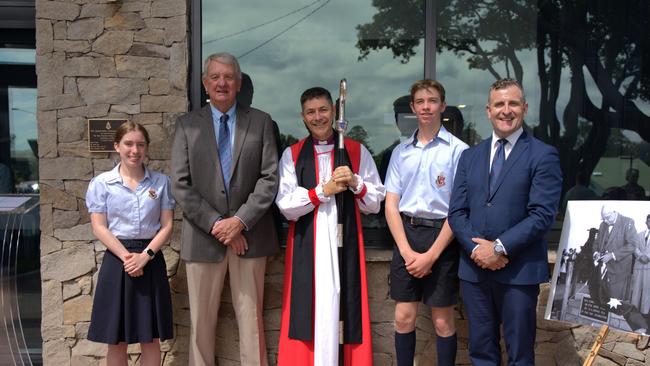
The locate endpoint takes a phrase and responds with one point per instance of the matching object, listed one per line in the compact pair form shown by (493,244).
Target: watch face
(150,252)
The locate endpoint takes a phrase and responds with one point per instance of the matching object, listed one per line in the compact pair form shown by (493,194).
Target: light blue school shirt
(423,174)
(130,214)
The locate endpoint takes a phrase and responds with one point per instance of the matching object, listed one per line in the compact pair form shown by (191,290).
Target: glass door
(20,283)
(288,46)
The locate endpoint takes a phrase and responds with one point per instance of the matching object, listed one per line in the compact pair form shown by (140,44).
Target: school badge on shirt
(441,180)
(152,194)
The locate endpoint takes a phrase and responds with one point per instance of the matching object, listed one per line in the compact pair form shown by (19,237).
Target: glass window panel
(582,68)
(472,55)
(17,56)
(288,46)
(23,138)
(20,228)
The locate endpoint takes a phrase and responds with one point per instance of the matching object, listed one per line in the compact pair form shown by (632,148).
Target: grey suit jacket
(622,240)
(197,183)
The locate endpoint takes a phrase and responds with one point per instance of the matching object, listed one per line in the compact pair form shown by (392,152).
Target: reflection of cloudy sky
(470,87)
(321,50)
(22,117)
(17,56)
(22,103)
(318,51)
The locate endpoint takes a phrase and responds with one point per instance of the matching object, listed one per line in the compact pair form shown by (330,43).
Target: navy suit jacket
(519,212)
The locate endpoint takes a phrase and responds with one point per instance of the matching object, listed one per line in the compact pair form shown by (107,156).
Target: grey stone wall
(129,59)
(99,59)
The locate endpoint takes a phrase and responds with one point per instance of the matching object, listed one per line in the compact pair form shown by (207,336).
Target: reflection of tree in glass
(609,42)
(286,141)
(393,28)
(618,145)
(469,134)
(488,33)
(600,38)
(358,133)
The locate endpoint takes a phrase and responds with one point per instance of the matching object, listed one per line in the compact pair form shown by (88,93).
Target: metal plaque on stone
(101,132)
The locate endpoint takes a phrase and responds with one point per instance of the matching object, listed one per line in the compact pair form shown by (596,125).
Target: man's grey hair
(506,83)
(607,210)
(222,58)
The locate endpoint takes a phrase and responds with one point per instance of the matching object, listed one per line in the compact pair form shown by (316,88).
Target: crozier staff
(131,211)
(341,126)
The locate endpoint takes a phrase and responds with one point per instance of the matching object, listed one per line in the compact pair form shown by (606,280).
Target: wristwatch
(150,253)
(499,249)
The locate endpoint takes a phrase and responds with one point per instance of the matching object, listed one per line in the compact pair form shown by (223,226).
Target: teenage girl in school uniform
(131,212)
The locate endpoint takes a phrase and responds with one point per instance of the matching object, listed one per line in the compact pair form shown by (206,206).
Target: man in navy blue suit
(505,198)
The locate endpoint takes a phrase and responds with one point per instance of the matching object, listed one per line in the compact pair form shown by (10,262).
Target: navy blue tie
(225,151)
(497,164)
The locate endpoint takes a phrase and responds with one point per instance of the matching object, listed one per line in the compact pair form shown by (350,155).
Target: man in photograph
(613,259)
(614,253)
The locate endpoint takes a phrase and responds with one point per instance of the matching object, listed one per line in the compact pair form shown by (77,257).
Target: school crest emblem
(441,180)
(152,194)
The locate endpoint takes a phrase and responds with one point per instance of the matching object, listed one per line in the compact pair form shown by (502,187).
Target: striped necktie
(225,150)
(497,164)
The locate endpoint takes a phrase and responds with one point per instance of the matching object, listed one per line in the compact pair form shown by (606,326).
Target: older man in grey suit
(615,246)
(614,254)
(224,176)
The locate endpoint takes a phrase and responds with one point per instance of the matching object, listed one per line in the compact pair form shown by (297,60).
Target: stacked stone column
(99,59)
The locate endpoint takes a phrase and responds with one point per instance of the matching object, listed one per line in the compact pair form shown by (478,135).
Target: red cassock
(296,352)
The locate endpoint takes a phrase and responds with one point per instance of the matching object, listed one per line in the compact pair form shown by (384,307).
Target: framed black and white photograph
(602,271)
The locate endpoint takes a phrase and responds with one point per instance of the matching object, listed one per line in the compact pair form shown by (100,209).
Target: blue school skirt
(131,309)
